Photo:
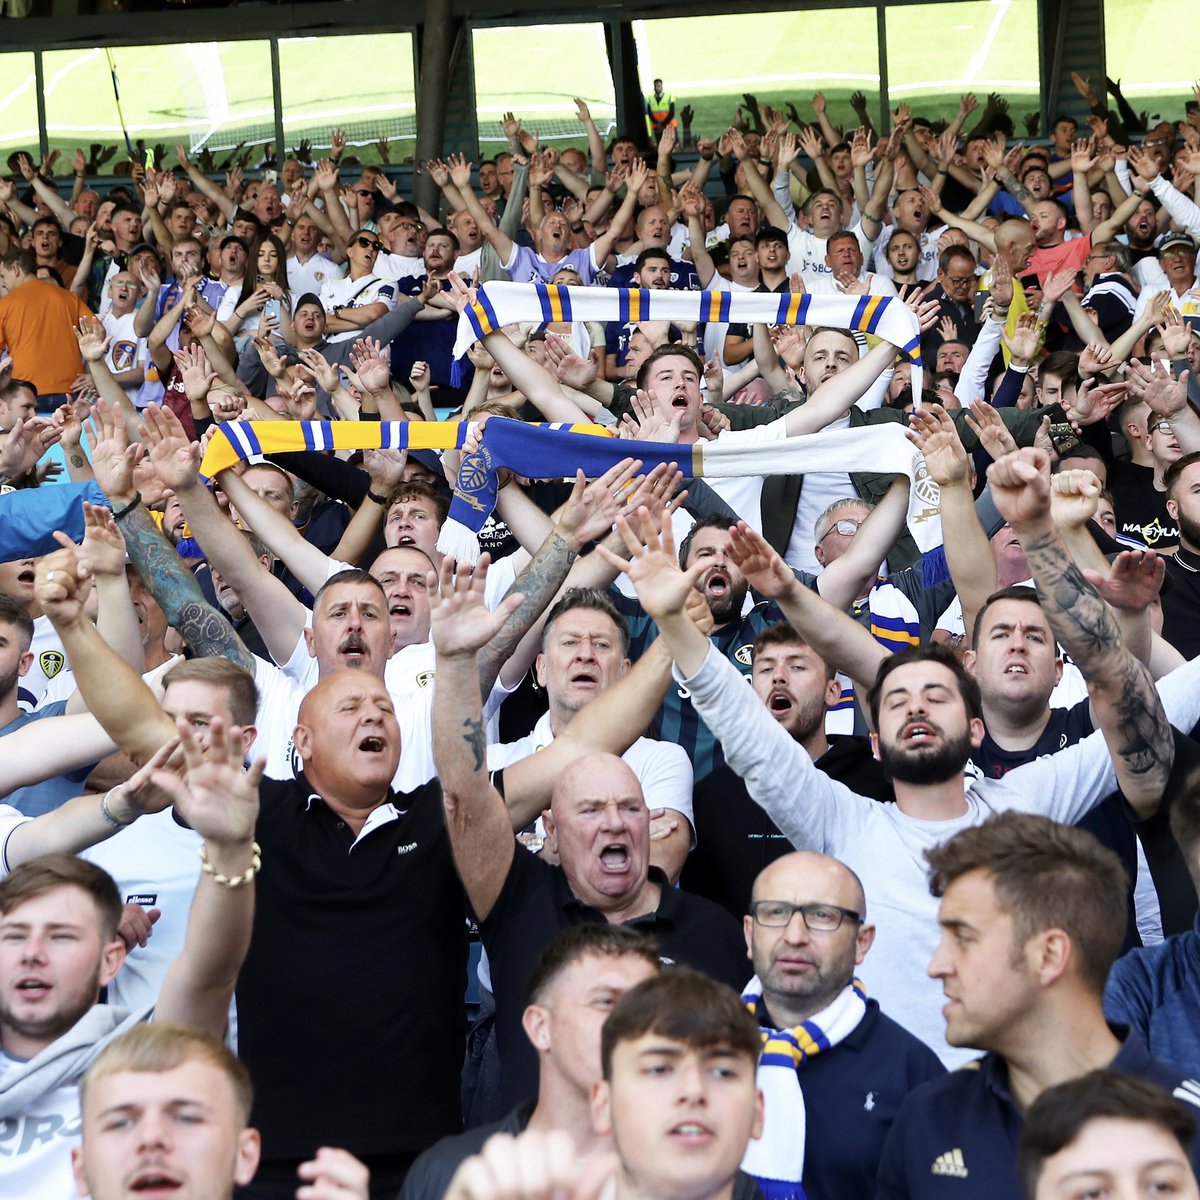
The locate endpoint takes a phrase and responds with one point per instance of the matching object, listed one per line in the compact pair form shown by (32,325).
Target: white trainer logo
(950,1163)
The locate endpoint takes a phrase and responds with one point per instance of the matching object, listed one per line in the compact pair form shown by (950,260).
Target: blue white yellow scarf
(776,1160)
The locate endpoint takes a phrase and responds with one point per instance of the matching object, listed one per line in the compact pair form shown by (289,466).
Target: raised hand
(459,620)
(1020,485)
(933,433)
(372,368)
(760,563)
(1074,498)
(174,457)
(1026,340)
(325,374)
(193,371)
(1094,401)
(592,508)
(653,568)
(27,441)
(438,171)
(991,431)
(93,341)
(103,546)
(1057,286)
(1176,334)
(1133,582)
(217,797)
(337,143)
(386,469)
(113,458)
(460,170)
(63,582)
(1083,155)
(334,1174)
(1095,359)
(861,148)
(569,367)
(1165,395)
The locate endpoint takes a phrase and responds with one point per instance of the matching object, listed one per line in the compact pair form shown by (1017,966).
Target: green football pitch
(220,93)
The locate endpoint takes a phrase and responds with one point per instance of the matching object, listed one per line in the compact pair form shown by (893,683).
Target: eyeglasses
(363,192)
(820,918)
(1161,427)
(407,225)
(847,527)
(368,243)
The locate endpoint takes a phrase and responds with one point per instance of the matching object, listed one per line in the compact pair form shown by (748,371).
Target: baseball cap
(309,298)
(1176,241)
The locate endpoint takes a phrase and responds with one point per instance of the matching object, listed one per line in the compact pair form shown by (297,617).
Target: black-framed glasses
(363,192)
(1161,427)
(368,243)
(820,918)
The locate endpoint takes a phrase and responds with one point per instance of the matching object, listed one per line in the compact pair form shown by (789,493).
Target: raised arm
(1125,703)
(842,582)
(834,398)
(202,183)
(218,799)
(599,155)
(160,567)
(477,820)
(977,233)
(460,176)
(114,692)
(968,552)
(602,247)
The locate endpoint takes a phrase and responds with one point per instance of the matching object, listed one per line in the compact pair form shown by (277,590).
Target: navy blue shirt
(676,721)
(44,797)
(425,341)
(1107,822)
(683,276)
(851,1096)
(956,1137)
(1155,990)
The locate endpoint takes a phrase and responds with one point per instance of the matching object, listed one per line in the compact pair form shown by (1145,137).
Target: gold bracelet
(235,881)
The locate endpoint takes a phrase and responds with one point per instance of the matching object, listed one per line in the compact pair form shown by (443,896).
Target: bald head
(595,774)
(816,877)
(1014,243)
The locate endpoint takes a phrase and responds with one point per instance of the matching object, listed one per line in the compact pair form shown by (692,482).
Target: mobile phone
(272,309)
(269,178)
(981,298)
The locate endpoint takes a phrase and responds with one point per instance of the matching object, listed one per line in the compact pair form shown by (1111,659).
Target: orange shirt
(1068,256)
(37,324)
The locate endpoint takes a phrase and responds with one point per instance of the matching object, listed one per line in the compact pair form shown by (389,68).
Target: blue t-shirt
(44,797)
(527,265)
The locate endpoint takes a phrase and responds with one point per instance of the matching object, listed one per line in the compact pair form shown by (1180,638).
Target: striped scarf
(556,451)
(776,1160)
(500,304)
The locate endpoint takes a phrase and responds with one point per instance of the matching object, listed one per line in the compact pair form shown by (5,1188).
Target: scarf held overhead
(556,451)
(500,304)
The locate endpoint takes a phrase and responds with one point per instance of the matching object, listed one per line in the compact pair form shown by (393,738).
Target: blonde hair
(159,1046)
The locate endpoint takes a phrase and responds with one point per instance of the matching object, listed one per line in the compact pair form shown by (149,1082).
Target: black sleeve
(337,479)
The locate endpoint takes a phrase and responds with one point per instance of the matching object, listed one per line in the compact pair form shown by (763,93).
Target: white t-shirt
(156,863)
(312,275)
(807,252)
(49,663)
(663,768)
(391,267)
(820,490)
(877,283)
(36,1162)
(467,265)
(927,266)
(127,350)
(356,293)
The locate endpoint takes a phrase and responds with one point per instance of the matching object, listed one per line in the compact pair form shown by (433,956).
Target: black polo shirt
(536,902)
(350,1004)
(1181,604)
(955,1138)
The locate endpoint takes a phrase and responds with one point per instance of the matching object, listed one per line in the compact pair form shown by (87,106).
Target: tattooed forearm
(1015,188)
(203,628)
(1079,617)
(538,583)
(1125,702)
(475,737)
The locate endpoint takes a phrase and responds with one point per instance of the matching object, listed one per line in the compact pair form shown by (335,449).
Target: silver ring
(50,577)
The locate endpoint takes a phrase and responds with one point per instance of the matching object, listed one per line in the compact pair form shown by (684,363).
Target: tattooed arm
(1125,705)
(200,625)
(477,820)
(587,514)
(204,629)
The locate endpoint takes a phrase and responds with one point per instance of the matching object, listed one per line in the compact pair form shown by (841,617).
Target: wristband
(576,228)
(232,881)
(940,171)
(123,512)
(380,500)
(106,813)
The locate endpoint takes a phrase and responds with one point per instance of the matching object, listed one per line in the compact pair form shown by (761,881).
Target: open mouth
(1016,669)
(614,857)
(717,584)
(406,539)
(585,677)
(679,400)
(352,647)
(779,702)
(33,988)
(917,732)
(691,1131)
(372,745)
(400,609)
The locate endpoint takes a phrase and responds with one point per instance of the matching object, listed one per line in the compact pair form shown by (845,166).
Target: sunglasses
(368,243)
(363,192)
